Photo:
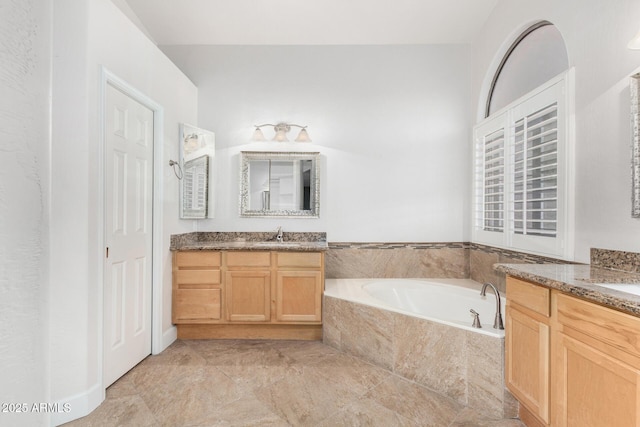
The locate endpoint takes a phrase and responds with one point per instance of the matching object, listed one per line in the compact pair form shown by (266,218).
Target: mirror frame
(634,87)
(247,156)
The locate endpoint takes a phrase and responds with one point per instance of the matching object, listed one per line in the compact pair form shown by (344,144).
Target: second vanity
(246,285)
(573,344)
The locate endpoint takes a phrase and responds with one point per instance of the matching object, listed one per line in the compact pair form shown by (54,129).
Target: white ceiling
(308,22)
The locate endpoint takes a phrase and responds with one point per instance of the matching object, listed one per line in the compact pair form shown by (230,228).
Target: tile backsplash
(615,260)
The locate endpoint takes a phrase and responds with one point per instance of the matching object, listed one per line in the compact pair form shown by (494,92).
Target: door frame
(109,78)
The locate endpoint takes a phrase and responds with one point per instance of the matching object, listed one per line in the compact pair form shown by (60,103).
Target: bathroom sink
(629,288)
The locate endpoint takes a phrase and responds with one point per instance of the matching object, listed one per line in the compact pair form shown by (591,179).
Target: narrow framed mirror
(281,184)
(195,188)
(197,149)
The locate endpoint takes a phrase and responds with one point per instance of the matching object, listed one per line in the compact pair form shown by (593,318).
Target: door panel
(527,344)
(299,296)
(128,218)
(594,389)
(248,296)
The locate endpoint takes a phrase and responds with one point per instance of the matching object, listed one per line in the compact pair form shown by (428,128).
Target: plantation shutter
(535,178)
(493,182)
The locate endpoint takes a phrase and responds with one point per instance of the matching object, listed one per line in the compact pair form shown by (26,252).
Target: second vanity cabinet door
(527,345)
(593,389)
(527,361)
(248,295)
(596,365)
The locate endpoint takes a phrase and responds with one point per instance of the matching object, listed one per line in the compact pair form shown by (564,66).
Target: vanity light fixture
(281,130)
(635,42)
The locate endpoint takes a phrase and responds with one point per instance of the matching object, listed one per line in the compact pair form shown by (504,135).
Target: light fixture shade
(258,135)
(635,42)
(281,136)
(303,136)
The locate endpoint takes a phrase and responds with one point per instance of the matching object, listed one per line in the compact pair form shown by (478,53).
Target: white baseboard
(82,404)
(168,337)
(79,406)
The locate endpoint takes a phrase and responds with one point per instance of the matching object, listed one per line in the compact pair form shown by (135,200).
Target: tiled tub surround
(462,364)
(396,260)
(455,260)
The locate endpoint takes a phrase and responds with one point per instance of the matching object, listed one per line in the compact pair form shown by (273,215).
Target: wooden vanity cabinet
(571,362)
(248,294)
(527,343)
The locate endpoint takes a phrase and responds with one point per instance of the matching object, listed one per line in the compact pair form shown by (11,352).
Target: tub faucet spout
(497,323)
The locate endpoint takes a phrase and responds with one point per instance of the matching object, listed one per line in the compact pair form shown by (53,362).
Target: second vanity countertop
(249,241)
(613,288)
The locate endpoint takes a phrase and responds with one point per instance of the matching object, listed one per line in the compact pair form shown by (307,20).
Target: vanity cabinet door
(299,296)
(596,365)
(593,388)
(527,361)
(248,295)
(527,346)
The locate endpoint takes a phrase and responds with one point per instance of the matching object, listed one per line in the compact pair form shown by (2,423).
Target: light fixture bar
(281,130)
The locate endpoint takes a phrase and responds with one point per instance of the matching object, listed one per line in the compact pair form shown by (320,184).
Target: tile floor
(272,383)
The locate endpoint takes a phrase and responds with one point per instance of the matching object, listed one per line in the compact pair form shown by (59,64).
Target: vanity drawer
(248,259)
(619,330)
(197,277)
(187,259)
(528,295)
(197,304)
(299,259)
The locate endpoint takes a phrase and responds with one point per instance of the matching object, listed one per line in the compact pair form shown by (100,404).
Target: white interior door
(128,233)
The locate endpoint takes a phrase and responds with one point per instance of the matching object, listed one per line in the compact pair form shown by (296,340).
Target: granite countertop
(584,281)
(249,241)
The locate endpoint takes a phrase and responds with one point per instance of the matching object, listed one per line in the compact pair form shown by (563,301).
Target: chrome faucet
(497,323)
(279,235)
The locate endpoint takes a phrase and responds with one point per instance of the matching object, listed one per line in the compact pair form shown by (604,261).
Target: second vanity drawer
(612,327)
(528,295)
(197,277)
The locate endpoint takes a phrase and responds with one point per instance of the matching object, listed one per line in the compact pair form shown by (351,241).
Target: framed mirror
(197,148)
(634,87)
(282,184)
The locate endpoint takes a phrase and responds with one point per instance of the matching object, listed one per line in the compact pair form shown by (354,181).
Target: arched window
(535,57)
(522,162)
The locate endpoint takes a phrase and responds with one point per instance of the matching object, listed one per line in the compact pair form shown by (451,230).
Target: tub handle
(476,319)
